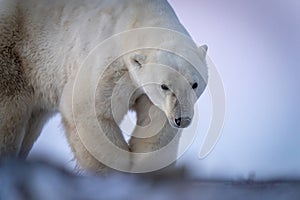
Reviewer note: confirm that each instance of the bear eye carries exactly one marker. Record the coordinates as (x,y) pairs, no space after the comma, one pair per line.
(164,87)
(137,63)
(195,85)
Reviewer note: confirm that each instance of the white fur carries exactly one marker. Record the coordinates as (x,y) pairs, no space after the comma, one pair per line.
(42,45)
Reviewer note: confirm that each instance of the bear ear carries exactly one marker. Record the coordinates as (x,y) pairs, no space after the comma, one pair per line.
(203,49)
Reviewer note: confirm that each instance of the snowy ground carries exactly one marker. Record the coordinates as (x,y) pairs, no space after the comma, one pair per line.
(21,180)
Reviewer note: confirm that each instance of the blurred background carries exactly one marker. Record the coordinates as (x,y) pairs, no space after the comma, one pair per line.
(255,46)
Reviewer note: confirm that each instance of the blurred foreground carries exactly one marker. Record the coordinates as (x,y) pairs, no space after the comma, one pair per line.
(23,180)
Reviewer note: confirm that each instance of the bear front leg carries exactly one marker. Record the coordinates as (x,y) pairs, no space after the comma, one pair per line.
(86,138)
(152,133)
(83,157)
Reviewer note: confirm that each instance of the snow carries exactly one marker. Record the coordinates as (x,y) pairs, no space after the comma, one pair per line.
(21,180)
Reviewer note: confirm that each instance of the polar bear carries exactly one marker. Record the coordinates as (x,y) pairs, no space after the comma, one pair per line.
(42,46)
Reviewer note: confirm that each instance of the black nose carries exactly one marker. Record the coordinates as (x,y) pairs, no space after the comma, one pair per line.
(183,122)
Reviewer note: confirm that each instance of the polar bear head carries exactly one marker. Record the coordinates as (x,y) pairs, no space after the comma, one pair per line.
(170,82)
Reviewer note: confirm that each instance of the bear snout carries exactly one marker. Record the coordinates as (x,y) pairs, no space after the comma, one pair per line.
(182,122)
